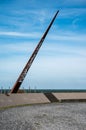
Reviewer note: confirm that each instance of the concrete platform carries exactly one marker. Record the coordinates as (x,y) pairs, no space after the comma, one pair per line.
(22,99)
(39,98)
(74,96)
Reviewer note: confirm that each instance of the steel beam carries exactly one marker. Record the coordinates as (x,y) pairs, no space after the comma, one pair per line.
(30,61)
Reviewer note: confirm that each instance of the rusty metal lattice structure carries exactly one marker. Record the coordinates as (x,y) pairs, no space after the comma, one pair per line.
(30,61)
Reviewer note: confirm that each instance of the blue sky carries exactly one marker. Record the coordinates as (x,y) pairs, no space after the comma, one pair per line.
(61,61)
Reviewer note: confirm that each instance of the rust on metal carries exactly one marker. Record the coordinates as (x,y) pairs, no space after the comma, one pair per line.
(29,63)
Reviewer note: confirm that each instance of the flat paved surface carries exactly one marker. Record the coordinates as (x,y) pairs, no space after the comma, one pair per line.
(59,116)
(71,95)
(21,99)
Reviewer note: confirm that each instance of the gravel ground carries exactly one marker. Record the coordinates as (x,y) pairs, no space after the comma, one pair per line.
(59,116)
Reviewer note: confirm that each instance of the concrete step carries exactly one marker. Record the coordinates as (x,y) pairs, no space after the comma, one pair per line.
(51,97)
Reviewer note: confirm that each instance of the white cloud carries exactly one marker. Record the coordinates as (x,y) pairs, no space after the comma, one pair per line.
(67,43)
(68,37)
(71,12)
(46,69)
(19,34)
(59,36)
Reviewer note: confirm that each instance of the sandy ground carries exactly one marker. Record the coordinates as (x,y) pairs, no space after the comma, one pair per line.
(59,116)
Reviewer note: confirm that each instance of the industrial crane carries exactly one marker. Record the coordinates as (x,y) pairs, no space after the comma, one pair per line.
(30,61)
